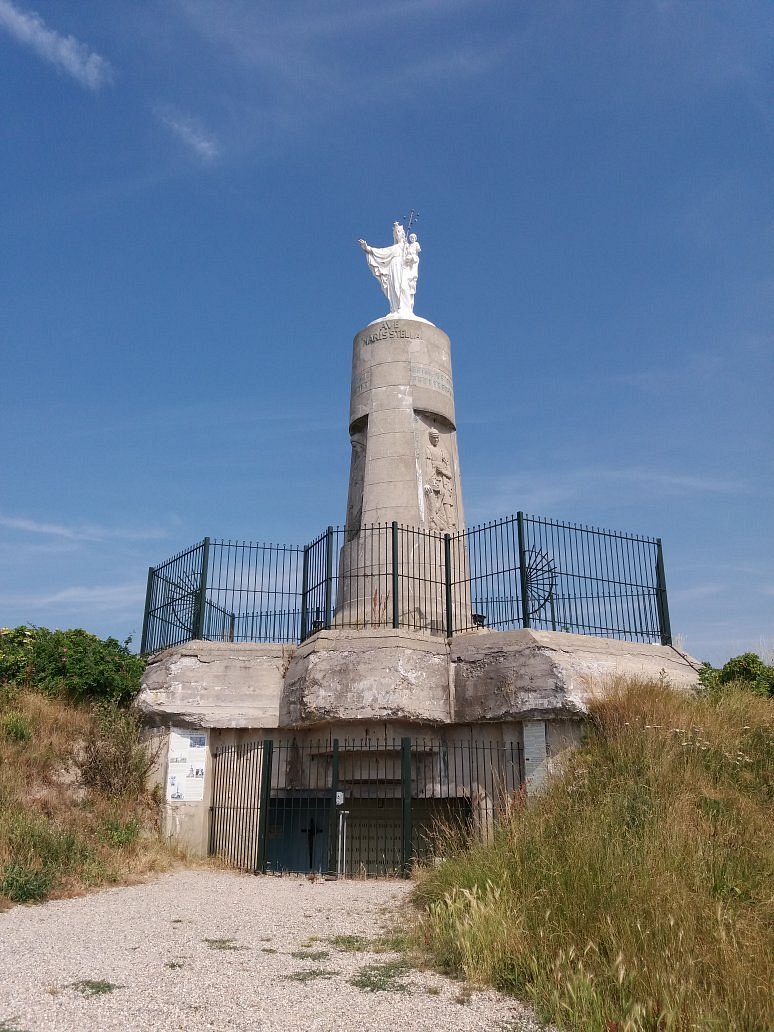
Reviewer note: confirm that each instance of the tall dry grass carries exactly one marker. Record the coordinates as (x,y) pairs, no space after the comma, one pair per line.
(636,893)
(61,829)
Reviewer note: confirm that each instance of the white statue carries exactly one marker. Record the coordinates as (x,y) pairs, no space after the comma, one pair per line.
(397,269)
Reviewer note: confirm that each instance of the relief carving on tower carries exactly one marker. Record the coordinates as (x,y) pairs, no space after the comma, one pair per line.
(439,487)
(356,478)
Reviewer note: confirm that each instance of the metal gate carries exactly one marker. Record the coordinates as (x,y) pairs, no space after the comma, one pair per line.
(365,808)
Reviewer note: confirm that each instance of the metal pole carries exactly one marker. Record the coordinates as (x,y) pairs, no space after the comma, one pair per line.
(304,595)
(523,571)
(332,852)
(265,802)
(201,599)
(405,799)
(146,614)
(661,597)
(328,576)
(448,585)
(395,600)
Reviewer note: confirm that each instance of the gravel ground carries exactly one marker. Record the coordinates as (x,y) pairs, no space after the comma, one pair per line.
(198,950)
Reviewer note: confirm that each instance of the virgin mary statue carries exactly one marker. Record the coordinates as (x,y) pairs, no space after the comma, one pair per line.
(396,269)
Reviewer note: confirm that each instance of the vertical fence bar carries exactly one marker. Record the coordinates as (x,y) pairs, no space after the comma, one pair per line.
(201,599)
(395,598)
(328,576)
(333,860)
(448,584)
(523,571)
(405,801)
(661,594)
(146,614)
(304,595)
(263,812)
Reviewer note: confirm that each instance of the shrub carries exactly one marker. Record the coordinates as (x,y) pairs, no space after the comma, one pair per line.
(82,666)
(114,759)
(747,671)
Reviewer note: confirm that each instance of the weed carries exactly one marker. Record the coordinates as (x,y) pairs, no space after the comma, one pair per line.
(350,943)
(269,949)
(24,884)
(8,1026)
(16,727)
(310,974)
(94,987)
(174,964)
(119,833)
(223,944)
(382,978)
(310,954)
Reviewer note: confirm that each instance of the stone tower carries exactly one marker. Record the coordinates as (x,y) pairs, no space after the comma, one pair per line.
(405,464)
(405,468)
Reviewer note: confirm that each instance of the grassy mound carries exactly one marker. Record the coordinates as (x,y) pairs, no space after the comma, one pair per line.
(636,892)
(74,809)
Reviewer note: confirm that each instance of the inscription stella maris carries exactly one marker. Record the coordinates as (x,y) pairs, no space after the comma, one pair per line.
(389,331)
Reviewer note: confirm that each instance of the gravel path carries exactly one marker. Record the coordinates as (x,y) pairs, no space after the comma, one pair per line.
(198,950)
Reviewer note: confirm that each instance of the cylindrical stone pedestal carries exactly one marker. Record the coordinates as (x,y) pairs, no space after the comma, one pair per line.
(402,391)
(405,468)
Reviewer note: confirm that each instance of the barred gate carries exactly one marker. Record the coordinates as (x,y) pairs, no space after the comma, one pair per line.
(368,808)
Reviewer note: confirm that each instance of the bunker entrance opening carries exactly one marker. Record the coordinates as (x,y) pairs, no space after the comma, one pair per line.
(357,809)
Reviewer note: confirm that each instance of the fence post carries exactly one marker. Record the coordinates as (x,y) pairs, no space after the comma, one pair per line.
(304,595)
(523,571)
(333,818)
(661,597)
(328,576)
(405,808)
(146,614)
(201,596)
(263,812)
(448,584)
(395,600)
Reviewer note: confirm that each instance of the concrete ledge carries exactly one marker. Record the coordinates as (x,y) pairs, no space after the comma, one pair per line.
(503,675)
(395,675)
(215,684)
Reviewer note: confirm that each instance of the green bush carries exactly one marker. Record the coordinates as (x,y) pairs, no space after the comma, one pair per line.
(15,654)
(748,671)
(73,663)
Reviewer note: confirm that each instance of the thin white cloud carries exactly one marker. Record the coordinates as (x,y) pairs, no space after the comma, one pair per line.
(108,596)
(190,132)
(81,532)
(543,491)
(64,52)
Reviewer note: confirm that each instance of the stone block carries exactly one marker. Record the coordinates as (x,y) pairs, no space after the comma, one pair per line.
(369,675)
(539,674)
(215,684)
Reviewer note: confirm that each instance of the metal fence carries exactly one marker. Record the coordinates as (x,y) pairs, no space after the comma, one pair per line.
(365,808)
(521,571)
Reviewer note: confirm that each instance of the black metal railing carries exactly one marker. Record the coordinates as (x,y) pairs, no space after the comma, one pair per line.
(520,571)
(370,807)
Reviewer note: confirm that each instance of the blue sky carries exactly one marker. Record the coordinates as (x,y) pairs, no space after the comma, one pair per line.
(184,183)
